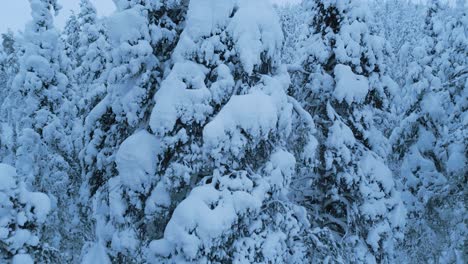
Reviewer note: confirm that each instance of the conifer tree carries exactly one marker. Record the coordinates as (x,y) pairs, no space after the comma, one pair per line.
(70,38)
(344,86)
(232,131)
(10,50)
(8,61)
(24,216)
(94,51)
(143,35)
(219,131)
(428,142)
(42,149)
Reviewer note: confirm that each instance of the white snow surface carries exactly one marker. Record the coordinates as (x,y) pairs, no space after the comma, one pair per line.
(195,213)
(136,160)
(255,29)
(7,177)
(96,254)
(183,95)
(349,86)
(255,113)
(22,259)
(125,25)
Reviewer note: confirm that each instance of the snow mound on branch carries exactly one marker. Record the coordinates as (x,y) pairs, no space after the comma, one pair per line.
(125,25)
(38,202)
(183,95)
(255,29)
(206,217)
(224,84)
(253,25)
(457,159)
(136,160)
(207,16)
(7,177)
(255,114)
(208,211)
(22,259)
(349,86)
(19,210)
(378,172)
(280,170)
(96,254)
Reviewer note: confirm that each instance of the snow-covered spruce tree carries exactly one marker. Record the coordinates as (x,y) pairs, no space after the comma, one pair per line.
(420,69)
(343,84)
(8,62)
(453,48)
(70,60)
(142,35)
(4,87)
(429,144)
(8,42)
(215,160)
(3,72)
(293,20)
(91,72)
(70,38)
(401,22)
(9,52)
(40,136)
(94,51)
(23,215)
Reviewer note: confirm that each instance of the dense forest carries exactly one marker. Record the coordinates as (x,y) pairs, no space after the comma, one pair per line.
(236,131)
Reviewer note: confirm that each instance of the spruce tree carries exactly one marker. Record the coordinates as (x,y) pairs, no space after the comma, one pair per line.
(70,38)
(343,85)
(23,215)
(43,151)
(428,144)
(219,132)
(143,35)
(212,131)
(94,51)
(9,52)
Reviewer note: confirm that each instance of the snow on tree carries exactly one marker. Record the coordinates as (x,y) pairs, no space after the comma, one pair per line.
(219,126)
(70,37)
(401,22)
(8,61)
(93,49)
(41,128)
(23,216)
(294,23)
(9,52)
(142,35)
(3,74)
(92,68)
(208,131)
(91,74)
(343,85)
(429,143)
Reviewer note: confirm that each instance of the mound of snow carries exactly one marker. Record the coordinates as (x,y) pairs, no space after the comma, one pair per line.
(255,114)
(349,86)
(137,158)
